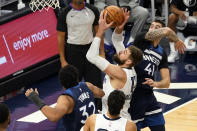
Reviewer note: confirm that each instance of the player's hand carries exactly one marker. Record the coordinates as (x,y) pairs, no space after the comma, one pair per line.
(29,91)
(180,46)
(63,63)
(150,82)
(126,15)
(102,22)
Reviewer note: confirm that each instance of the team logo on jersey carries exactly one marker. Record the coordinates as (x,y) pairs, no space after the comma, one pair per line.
(189,3)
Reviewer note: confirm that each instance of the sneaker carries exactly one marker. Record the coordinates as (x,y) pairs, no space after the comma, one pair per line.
(173,57)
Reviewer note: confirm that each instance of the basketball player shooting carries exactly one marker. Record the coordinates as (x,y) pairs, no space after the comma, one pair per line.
(123,76)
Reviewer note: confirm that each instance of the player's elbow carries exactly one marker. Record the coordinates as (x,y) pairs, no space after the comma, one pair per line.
(100,94)
(90,58)
(167,85)
(53,119)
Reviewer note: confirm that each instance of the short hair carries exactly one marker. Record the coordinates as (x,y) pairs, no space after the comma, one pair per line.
(4,113)
(136,55)
(68,76)
(160,21)
(115,102)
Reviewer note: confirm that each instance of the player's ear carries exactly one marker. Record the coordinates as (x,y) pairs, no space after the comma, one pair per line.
(129,62)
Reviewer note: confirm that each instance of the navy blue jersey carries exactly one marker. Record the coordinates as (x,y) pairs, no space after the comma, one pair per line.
(154,58)
(84,107)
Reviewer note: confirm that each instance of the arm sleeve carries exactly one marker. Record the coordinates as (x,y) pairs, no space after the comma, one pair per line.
(61,22)
(96,13)
(93,55)
(117,42)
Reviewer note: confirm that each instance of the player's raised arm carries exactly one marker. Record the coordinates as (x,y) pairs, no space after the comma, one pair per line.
(93,52)
(118,33)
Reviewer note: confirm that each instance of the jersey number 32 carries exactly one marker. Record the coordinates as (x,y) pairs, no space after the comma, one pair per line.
(84,111)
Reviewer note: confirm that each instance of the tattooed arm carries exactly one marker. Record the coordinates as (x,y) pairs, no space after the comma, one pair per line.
(157,34)
(160,33)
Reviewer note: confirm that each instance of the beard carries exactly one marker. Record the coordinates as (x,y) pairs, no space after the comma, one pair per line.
(117,60)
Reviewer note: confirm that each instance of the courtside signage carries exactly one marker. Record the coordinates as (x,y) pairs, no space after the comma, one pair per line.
(26,41)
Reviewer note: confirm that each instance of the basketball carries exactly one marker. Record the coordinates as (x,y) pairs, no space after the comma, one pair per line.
(114,14)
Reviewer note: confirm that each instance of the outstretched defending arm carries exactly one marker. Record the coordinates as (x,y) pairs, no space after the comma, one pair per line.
(166,32)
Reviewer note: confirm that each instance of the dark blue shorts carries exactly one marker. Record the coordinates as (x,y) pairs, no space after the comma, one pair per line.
(145,110)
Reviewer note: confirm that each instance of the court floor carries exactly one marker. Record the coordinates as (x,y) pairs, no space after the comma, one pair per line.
(179,102)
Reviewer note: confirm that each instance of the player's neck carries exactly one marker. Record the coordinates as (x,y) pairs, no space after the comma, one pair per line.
(156,42)
(112,117)
(125,66)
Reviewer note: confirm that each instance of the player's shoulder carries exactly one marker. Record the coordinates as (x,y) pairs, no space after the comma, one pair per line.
(131,126)
(93,116)
(91,119)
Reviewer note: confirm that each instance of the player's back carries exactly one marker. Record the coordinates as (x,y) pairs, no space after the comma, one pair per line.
(103,123)
(83,107)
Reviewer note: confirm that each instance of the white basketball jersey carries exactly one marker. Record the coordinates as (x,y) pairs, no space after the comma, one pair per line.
(103,123)
(127,89)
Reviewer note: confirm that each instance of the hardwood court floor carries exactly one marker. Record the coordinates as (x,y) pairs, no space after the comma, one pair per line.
(183,118)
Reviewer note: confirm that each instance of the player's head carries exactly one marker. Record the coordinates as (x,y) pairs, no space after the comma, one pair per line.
(156,25)
(68,76)
(78,2)
(115,102)
(131,56)
(4,116)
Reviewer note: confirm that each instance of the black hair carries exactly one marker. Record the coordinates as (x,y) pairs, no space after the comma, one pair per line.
(160,21)
(4,113)
(115,102)
(68,76)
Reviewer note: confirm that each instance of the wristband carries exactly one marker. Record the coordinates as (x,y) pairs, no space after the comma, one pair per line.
(33,96)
